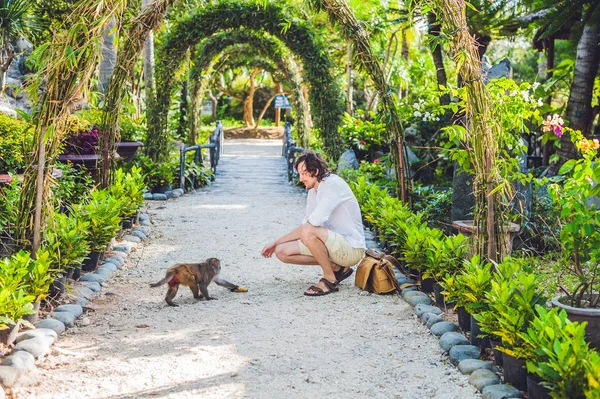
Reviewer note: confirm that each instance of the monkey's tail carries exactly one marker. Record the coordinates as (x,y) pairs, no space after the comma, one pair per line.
(167,277)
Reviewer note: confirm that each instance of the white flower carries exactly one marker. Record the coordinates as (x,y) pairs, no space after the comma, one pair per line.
(513,93)
(416,106)
(417,114)
(540,103)
(536,85)
(426,116)
(525,95)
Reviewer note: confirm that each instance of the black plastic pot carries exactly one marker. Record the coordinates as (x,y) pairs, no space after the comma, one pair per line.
(76,273)
(57,287)
(427,285)
(535,390)
(440,300)
(475,333)
(69,272)
(464,318)
(497,354)
(126,223)
(514,372)
(92,260)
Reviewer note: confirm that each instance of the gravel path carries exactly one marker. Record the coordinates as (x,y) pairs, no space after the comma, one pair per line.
(271,342)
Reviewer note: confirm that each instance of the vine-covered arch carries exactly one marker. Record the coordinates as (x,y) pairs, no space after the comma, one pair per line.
(298,36)
(268,47)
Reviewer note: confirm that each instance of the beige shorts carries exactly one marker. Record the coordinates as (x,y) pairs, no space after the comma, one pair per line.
(340,250)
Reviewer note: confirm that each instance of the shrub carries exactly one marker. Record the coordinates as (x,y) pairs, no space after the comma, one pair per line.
(66,240)
(102,213)
(16,137)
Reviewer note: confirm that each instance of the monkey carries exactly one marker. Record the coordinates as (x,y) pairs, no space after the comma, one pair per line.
(196,276)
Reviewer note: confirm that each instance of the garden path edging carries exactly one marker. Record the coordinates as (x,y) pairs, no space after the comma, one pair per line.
(33,345)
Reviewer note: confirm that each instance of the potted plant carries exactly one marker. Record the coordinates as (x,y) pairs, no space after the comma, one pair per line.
(445,257)
(467,290)
(593,376)
(38,278)
(15,300)
(513,297)
(102,213)
(560,358)
(130,188)
(418,238)
(131,132)
(67,242)
(580,237)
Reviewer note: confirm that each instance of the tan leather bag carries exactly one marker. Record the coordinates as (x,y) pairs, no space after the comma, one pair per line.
(375,273)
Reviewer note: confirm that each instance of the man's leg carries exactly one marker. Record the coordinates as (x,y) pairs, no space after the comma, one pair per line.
(314,238)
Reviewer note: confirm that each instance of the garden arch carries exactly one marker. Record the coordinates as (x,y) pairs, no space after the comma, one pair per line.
(298,36)
(268,47)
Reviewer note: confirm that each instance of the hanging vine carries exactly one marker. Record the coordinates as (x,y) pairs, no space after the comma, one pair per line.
(298,36)
(339,11)
(481,129)
(65,67)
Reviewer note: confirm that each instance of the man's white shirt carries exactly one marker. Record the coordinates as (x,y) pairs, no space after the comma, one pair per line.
(334,206)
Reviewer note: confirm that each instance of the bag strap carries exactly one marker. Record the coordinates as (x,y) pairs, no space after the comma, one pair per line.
(390,273)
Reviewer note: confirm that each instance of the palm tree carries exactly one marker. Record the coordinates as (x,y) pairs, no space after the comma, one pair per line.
(109,56)
(15,21)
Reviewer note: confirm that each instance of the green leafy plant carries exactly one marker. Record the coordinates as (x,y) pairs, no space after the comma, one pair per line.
(468,288)
(66,240)
(580,233)
(15,298)
(16,136)
(102,214)
(560,356)
(9,202)
(73,187)
(593,376)
(445,255)
(129,187)
(512,299)
(418,239)
(360,133)
(39,273)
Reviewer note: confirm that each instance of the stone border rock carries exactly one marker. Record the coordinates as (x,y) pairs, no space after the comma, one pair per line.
(178,192)
(482,374)
(32,345)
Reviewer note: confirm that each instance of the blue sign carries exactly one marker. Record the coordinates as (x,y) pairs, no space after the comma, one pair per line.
(281,101)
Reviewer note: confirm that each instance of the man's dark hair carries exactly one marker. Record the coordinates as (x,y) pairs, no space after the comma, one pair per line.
(314,164)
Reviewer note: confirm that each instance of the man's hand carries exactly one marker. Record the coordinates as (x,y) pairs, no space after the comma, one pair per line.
(268,250)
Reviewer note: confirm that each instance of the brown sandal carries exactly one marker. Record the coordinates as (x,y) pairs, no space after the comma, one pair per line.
(318,291)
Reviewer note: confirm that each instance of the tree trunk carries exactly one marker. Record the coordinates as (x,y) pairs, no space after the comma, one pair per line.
(249,100)
(278,89)
(349,96)
(438,60)
(7,59)
(109,56)
(579,107)
(148,59)
(182,126)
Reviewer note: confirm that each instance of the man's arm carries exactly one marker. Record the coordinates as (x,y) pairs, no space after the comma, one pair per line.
(269,249)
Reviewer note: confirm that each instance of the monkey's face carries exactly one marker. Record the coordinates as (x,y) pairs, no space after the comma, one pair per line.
(216,264)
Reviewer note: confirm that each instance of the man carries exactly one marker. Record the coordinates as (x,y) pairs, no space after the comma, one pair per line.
(331,234)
